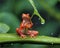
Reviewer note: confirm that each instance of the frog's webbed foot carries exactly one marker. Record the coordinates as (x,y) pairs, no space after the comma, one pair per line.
(32,33)
(20,33)
(23,36)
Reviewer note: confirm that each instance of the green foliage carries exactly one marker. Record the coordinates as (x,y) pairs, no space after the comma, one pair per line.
(11,20)
(4,28)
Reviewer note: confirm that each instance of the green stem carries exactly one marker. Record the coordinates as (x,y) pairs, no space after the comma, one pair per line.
(36,12)
(39,39)
(32,15)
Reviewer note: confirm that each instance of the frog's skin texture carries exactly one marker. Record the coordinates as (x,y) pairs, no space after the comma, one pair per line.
(26,24)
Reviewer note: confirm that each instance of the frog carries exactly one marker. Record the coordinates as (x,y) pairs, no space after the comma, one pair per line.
(25,25)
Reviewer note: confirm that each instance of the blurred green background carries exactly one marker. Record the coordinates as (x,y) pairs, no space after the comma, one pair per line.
(10,18)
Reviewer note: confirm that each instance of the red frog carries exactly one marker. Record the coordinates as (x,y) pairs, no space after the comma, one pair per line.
(25,25)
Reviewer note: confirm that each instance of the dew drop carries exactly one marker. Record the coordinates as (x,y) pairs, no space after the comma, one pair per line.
(42,23)
(42,20)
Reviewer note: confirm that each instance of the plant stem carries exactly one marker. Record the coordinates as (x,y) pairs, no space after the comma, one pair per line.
(36,12)
(39,39)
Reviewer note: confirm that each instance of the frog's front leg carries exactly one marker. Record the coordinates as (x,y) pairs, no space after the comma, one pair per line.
(20,33)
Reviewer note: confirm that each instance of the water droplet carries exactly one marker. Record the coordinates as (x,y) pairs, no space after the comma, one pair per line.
(42,23)
(42,20)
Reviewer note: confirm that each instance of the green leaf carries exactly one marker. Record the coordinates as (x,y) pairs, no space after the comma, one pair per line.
(4,28)
(38,39)
(11,20)
(36,12)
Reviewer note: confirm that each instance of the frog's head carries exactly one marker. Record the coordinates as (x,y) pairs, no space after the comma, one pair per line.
(25,16)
